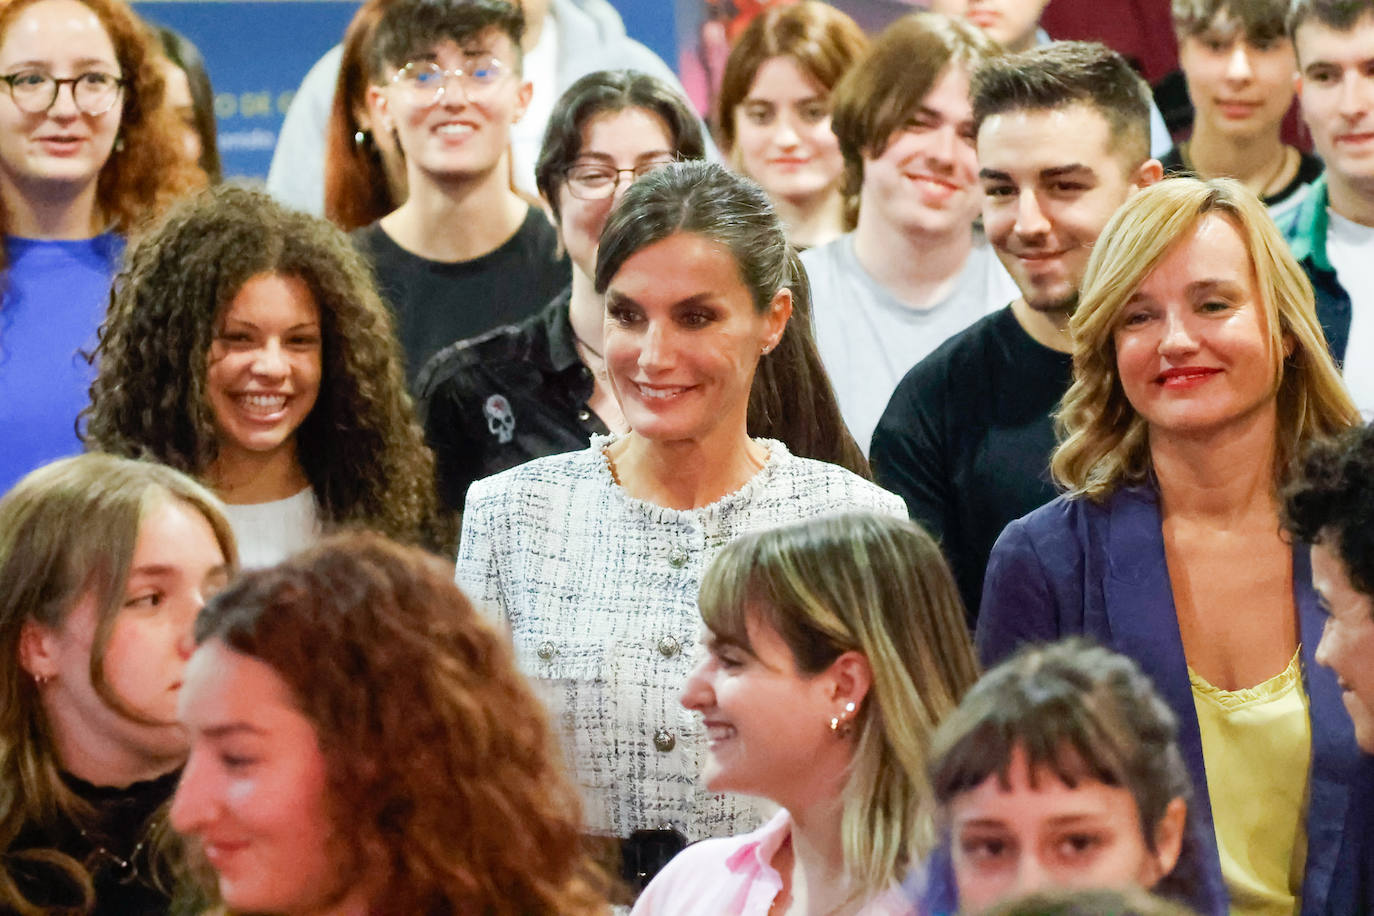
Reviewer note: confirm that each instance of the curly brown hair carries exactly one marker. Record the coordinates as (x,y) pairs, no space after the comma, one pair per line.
(360,447)
(147,170)
(437,753)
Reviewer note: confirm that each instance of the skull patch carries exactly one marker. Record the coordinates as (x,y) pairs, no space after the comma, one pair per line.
(500,420)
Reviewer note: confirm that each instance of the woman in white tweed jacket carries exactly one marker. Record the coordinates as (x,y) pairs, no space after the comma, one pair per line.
(594,558)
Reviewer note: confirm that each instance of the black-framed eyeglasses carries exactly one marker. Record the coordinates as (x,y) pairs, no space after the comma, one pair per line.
(597,181)
(34,91)
(425,82)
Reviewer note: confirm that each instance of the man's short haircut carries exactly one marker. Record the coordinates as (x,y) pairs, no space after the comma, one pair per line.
(1260,22)
(1337,15)
(887,85)
(1065,73)
(411,28)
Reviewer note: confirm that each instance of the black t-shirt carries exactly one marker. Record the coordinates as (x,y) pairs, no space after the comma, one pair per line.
(1309,168)
(966,440)
(513,394)
(437,302)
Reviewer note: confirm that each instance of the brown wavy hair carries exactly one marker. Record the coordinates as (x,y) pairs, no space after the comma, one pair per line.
(69,530)
(357,188)
(360,447)
(440,765)
(147,170)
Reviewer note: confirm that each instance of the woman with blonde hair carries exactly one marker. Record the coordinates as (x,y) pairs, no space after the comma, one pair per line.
(361,742)
(773,114)
(87,152)
(104,564)
(834,648)
(1200,371)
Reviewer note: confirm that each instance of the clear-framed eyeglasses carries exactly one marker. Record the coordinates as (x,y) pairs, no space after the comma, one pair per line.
(35,92)
(425,82)
(597,180)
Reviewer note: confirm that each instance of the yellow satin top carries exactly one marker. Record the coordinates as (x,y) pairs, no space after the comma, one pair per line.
(1257,750)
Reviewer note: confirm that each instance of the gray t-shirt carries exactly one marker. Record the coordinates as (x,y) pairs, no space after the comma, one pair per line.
(868,338)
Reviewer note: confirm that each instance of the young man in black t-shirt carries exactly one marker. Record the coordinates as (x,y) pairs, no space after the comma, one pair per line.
(1063,140)
(464,253)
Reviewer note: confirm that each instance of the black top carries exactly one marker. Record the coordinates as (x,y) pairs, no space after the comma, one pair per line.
(513,394)
(111,847)
(1309,167)
(438,302)
(967,437)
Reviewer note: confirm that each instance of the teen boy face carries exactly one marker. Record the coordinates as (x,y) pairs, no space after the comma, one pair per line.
(1052,178)
(925,181)
(456,126)
(1336,89)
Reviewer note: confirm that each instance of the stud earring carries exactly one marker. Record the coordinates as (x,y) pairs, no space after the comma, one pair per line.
(842,725)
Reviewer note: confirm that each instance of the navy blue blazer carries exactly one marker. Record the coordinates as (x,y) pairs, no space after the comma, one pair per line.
(1076,567)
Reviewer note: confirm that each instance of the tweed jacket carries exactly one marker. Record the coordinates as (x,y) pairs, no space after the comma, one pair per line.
(599,591)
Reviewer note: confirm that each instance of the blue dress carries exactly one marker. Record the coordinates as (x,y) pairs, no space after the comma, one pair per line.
(55,297)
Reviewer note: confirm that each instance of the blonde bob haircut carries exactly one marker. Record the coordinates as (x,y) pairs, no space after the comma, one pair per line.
(878,586)
(1104,442)
(68,531)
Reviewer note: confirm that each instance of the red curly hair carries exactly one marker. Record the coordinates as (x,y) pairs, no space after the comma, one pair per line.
(148,170)
(440,764)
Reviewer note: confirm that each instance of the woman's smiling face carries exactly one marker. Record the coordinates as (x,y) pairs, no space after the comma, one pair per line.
(683,338)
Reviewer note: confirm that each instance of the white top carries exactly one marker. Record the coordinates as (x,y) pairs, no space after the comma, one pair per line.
(600,593)
(869,339)
(1350,248)
(268,533)
(735,876)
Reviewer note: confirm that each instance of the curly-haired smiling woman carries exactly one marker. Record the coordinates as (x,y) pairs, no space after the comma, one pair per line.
(246,344)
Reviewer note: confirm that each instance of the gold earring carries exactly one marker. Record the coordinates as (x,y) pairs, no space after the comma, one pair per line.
(842,724)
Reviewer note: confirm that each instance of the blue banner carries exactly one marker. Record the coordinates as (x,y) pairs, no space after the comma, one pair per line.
(256,54)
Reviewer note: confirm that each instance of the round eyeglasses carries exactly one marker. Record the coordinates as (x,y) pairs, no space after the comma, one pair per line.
(425,82)
(34,91)
(597,181)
